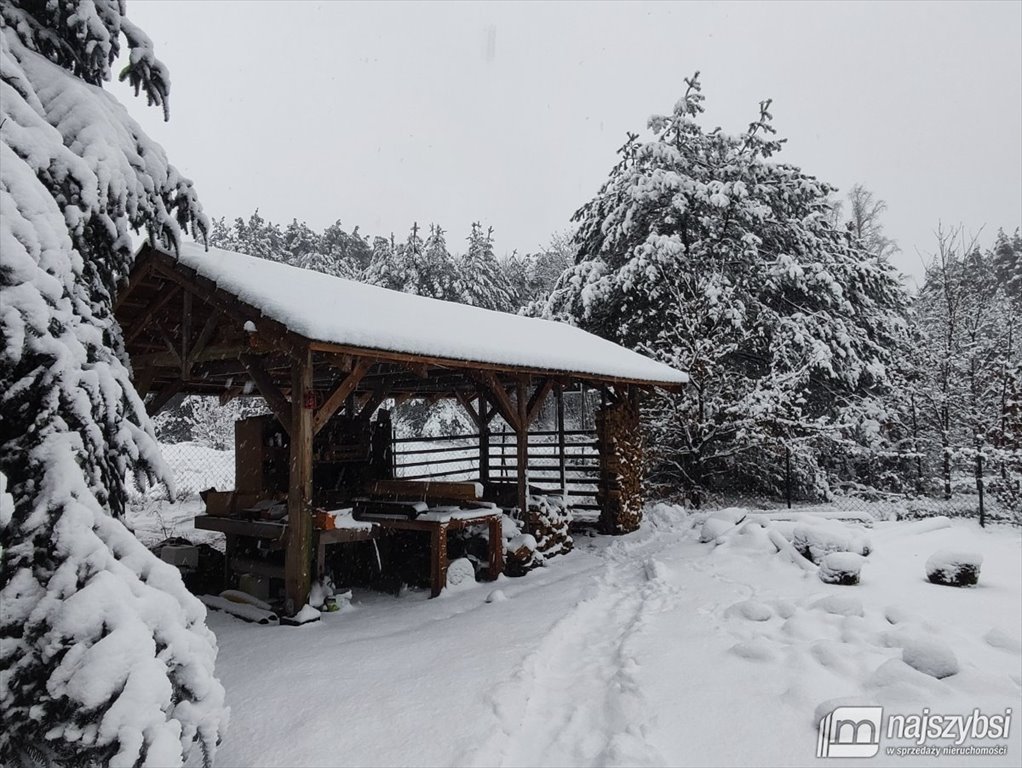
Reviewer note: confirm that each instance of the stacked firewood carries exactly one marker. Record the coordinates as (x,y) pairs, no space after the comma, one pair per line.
(549,521)
(620,443)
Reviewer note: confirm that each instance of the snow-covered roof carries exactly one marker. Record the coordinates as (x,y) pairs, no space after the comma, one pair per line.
(333,310)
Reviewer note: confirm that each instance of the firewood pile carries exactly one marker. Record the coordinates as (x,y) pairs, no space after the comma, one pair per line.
(549,521)
(620,443)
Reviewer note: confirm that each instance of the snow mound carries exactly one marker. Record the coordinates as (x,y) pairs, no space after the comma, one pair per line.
(757,649)
(998,638)
(816,540)
(307,615)
(841,568)
(460,574)
(930,656)
(720,522)
(839,605)
(902,681)
(753,610)
(496,596)
(897,614)
(955,569)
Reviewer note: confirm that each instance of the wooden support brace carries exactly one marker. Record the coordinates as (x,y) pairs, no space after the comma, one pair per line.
(161,398)
(466,403)
(143,322)
(205,336)
(347,387)
(186,333)
(501,401)
(271,394)
(378,395)
(536,401)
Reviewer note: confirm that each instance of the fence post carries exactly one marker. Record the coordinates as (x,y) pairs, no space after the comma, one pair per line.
(787,474)
(560,439)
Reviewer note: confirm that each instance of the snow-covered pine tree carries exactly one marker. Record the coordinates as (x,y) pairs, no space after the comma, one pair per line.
(388,267)
(705,252)
(485,284)
(349,250)
(436,272)
(105,656)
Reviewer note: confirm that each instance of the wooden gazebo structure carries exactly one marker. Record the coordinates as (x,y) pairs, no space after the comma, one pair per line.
(214,322)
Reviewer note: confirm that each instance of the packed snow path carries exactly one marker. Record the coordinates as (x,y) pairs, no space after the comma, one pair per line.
(651,649)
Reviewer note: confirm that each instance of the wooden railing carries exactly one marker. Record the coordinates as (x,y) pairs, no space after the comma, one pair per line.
(457,457)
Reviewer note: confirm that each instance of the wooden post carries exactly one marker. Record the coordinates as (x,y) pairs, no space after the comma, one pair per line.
(560,438)
(484,441)
(522,443)
(496,537)
(297,574)
(438,559)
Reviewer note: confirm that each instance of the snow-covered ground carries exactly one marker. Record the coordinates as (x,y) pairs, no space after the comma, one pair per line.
(648,649)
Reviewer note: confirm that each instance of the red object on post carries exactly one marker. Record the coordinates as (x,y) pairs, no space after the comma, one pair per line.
(310,399)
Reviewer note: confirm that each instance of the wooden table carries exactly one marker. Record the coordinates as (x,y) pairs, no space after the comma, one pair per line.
(233,527)
(437,523)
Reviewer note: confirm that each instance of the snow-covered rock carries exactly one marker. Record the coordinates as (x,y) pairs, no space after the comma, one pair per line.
(841,568)
(954,569)
(816,540)
(460,573)
(930,656)
(496,596)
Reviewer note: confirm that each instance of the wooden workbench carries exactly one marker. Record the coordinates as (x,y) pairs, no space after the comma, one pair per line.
(437,523)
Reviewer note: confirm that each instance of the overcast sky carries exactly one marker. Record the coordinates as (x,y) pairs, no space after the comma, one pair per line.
(384,114)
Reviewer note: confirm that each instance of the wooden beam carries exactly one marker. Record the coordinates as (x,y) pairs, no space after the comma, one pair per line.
(133,281)
(271,394)
(161,398)
(522,447)
(144,378)
(536,402)
(347,387)
(298,556)
(142,323)
(484,438)
(378,395)
(186,332)
(501,401)
(205,336)
(466,403)
(560,438)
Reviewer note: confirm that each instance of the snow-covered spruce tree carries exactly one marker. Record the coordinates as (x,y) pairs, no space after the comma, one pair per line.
(104,655)
(436,270)
(485,284)
(705,252)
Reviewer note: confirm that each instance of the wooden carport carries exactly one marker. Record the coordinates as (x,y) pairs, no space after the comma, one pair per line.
(223,324)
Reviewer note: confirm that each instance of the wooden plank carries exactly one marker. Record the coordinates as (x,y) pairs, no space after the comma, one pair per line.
(347,387)
(298,564)
(484,438)
(271,394)
(377,397)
